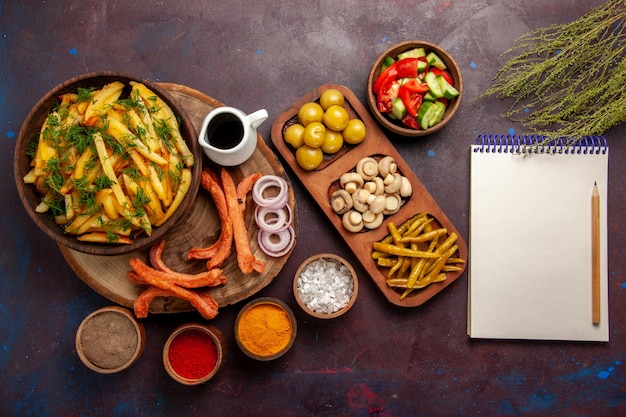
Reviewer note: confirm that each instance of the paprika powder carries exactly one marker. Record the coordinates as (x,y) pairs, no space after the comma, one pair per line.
(192,354)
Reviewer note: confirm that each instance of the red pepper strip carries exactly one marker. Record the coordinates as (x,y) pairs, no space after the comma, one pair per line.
(410,121)
(389,74)
(415,86)
(407,68)
(387,94)
(411,95)
(446,75)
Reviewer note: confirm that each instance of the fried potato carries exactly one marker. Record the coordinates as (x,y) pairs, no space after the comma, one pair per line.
(110,167)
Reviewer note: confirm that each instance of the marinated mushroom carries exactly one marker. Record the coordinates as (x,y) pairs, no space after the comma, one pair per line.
(341,201)
(378,204)
(406,189)
(352,221)
(372,221)
(392,204)
(370,186)
(359,200)
(367,168)
(375,189)
(387,165)
(393,185)
(351,181)
(380,186)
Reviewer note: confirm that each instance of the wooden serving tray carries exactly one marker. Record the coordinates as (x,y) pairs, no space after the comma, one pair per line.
(322,181)
(201,227)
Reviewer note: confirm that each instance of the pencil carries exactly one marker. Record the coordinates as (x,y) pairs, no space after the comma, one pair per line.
(595,254)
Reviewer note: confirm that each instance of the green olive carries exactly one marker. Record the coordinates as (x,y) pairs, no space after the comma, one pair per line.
(355,132)
(294,135)
(310,112)
(314,134)
(336,118)
(330,97)
(332,142)
(309,158)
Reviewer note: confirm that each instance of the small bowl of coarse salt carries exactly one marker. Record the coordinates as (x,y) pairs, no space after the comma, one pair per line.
(325,286)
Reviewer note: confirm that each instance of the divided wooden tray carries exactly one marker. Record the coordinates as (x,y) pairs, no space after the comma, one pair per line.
(318,182)
(107,274)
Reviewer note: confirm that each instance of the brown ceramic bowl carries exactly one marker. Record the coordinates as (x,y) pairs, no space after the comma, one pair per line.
(30,131)
(308,290)
(110,340)
(396,126)
(256,348)
(214,336)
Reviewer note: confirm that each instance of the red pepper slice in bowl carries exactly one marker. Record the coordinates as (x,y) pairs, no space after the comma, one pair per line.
(388,93)
(411,93)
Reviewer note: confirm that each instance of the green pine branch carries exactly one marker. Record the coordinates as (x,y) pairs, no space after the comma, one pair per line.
(568,79)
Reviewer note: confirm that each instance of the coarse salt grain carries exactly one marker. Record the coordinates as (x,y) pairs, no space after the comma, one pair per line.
(325,285)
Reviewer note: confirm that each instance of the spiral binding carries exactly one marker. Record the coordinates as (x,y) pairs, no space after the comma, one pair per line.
(533,144)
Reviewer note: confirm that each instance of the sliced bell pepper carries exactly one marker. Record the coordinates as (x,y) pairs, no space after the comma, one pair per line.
(407,67)
(384,78)
(388,92)
(411,94)
(410,121)
(404,68)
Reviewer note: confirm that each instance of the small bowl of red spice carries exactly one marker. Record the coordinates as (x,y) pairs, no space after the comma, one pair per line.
(110,340)
(265,328)
(194,353)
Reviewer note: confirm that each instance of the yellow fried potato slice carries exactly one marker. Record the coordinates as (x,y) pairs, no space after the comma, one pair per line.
(161,111)
(101,101)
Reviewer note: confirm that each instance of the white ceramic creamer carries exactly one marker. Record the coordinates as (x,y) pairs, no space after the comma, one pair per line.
(228,136)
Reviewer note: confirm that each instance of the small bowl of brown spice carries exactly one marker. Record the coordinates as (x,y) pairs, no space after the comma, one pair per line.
(110,340)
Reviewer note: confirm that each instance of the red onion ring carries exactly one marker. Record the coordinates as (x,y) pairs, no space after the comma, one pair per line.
(286,239)
(273,224)
(265,182)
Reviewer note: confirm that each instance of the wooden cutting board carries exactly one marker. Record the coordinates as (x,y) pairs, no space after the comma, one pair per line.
(107,274)
(322,181)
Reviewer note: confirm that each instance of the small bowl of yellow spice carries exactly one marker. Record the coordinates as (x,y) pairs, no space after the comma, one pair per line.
(265,329)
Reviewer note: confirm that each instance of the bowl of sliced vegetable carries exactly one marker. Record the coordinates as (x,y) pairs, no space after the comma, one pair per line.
(414,88)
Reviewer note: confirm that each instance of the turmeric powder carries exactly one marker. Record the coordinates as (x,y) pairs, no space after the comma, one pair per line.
(265,329)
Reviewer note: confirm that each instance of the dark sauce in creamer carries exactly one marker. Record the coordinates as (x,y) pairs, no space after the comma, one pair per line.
(225,131)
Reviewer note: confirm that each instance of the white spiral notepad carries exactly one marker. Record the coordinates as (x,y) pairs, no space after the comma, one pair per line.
(530,245)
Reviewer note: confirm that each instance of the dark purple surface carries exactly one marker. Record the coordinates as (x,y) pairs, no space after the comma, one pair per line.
(377,360)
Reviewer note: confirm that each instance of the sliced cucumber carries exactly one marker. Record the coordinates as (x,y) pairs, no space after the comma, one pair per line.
(433,84)
(421,66)
(434,60)
(387,62)
(430,113)
(398,109)
(448,90)
(412,53)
